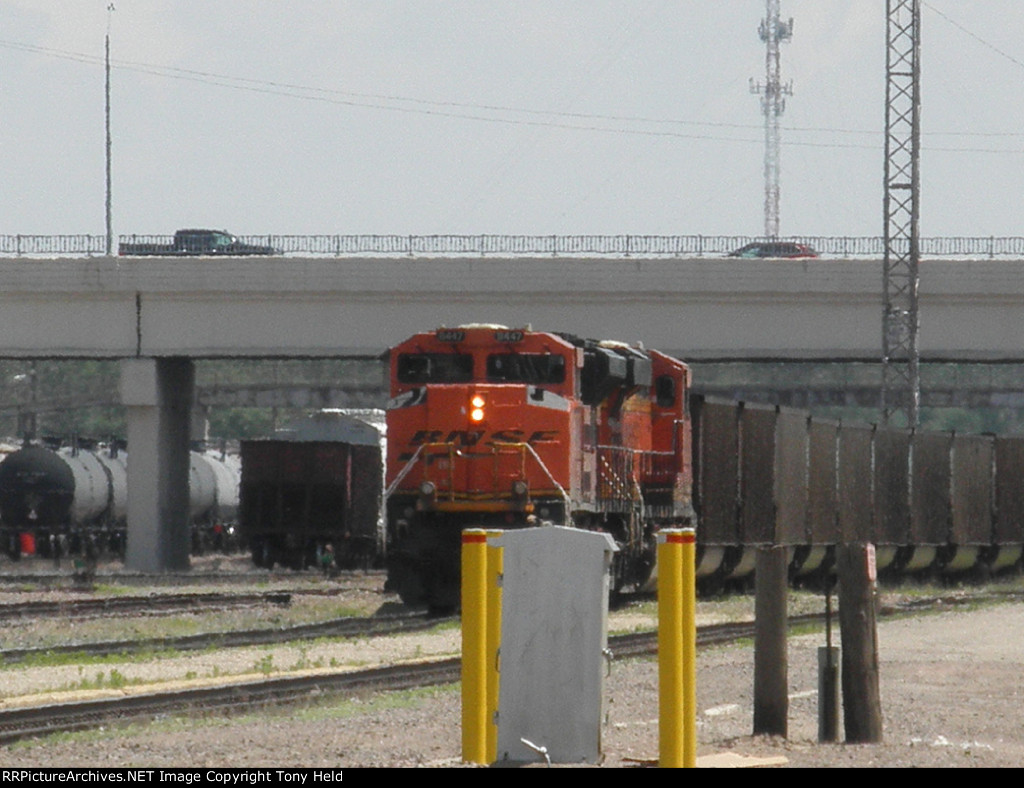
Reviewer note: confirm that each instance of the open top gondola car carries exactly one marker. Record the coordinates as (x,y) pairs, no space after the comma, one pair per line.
(508,428)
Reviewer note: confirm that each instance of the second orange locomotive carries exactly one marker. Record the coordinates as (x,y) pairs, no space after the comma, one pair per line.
(506,428)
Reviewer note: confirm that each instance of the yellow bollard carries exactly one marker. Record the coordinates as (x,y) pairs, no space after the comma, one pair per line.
(670,650)
(495,559)
(677,648)
(689,619)
(474,646)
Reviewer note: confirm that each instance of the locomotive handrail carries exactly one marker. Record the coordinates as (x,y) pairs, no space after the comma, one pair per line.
(642,452)
(403,473)
(495,449)
(543,467)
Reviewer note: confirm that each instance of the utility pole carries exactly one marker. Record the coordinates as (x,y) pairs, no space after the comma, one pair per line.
(773,32)
(901,382)
(110,223)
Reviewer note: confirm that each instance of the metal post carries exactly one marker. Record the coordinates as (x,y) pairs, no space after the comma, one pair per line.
(495,570)
(109,204)
(677,649)
(828,678)
(474,646)
(901,383)
(773,31)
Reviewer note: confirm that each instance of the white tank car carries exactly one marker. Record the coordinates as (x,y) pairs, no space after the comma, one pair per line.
(213,486)
(101,485)
(70,487)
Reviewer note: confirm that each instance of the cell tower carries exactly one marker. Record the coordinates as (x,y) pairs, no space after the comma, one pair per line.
(900,350)
(773,32)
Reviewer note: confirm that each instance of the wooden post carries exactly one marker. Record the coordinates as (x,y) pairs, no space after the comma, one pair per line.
(862,706)
(771,680)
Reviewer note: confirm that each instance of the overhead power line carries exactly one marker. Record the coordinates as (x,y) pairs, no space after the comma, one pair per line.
(453,109)
(973,35)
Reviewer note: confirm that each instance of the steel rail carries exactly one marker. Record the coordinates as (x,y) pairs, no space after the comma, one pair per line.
(347,627)
(157,603)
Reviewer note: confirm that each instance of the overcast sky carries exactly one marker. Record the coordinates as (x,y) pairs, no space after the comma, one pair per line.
(464,116)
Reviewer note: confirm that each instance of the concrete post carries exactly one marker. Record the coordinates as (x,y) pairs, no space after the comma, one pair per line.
(158,395)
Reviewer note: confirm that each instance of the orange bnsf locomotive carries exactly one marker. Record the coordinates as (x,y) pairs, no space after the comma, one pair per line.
(507,428)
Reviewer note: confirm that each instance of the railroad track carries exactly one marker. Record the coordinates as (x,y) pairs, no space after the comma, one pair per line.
(348,627)
(167,604)
(16,581)
(163,603)
(20,723)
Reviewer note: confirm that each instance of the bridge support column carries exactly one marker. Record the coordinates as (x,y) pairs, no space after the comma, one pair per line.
(158,395)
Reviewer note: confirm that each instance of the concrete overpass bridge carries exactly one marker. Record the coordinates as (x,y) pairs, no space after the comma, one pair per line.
(320,307)
(158,314)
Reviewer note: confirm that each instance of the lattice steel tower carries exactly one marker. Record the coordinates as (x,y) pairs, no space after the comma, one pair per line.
(773,32)
(901,383)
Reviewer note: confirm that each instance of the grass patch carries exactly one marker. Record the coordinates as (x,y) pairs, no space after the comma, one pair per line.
(372,703)
(264,665)
(80,658)
(113,680)
(107,589)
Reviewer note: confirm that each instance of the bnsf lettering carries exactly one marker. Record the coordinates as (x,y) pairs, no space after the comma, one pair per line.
(507,436)
(468,439)
(462,437)
(516,436)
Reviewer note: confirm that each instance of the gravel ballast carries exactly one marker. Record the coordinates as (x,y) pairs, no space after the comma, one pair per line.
(950,692)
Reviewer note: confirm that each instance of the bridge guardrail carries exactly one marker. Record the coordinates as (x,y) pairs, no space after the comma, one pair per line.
(988,247)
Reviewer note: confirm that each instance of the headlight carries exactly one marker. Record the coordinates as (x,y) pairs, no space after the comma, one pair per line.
(476,408)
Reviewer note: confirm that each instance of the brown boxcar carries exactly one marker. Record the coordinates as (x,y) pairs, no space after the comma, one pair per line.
(311,502)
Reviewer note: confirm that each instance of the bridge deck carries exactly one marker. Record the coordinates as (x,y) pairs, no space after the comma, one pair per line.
(699,308)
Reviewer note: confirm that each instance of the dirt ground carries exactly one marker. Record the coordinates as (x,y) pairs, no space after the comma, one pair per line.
(950,683)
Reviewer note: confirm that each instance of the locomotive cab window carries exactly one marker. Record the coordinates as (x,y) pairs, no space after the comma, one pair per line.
(435,368)
(665,391)
(533,368)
